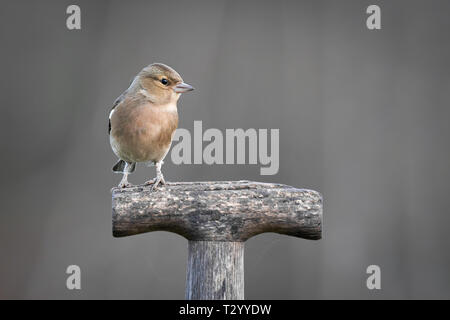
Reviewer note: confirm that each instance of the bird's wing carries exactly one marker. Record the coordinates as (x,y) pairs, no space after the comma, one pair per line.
(118,101)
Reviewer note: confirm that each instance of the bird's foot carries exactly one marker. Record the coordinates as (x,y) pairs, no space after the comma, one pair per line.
(123,185)
(150,182)
(159,181)
(155,182)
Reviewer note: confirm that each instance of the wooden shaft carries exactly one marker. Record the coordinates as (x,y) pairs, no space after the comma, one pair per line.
(215,270)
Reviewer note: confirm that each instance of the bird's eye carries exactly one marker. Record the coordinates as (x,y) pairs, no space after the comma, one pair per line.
(164,81)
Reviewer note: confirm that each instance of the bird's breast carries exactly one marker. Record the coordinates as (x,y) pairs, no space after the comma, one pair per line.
(143,132)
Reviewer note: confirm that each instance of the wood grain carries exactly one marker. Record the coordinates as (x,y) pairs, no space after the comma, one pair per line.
(216,218)
(215,270)
(218,211)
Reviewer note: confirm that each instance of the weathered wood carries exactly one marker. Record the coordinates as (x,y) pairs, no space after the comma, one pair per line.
(216,218)
(215,270)
(218,211)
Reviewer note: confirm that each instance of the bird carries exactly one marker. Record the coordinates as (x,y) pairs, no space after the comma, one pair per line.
(143,120)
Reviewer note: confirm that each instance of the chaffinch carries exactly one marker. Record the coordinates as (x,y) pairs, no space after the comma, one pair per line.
(143,120)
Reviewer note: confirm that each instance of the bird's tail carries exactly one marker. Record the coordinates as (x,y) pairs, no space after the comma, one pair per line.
(121,165)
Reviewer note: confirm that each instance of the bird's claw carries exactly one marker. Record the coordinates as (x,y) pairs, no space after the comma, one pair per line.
(123,185)
(155,182)
(158,182)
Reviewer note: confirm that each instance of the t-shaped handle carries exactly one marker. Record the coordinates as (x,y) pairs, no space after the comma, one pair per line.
(216,218)
(218,211)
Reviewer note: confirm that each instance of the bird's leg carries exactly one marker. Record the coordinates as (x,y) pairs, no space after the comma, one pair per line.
(124,182)
(159,176)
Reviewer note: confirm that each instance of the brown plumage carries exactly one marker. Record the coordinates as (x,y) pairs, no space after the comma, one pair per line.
(144,118)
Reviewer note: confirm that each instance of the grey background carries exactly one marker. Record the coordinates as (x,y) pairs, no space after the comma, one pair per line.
(363,118)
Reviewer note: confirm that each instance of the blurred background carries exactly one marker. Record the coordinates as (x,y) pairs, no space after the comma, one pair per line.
(363,118)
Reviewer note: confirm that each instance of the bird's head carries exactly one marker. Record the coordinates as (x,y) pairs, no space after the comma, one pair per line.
(162,83)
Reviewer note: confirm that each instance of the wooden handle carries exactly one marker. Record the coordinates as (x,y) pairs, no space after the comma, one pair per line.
(215,270)
(218,211)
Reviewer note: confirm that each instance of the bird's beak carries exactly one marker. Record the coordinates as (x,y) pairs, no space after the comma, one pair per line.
(183,87)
